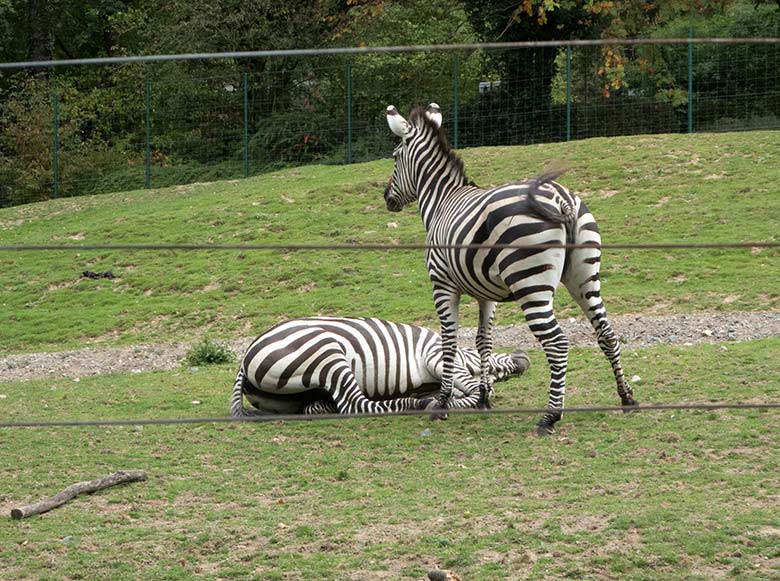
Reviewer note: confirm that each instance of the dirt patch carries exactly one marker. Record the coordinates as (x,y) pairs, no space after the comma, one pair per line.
(634,331)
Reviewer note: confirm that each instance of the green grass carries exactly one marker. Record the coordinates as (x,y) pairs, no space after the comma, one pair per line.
(666,188)
(679,495)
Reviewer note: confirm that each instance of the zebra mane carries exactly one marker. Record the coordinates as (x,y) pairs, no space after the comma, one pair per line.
(418,118)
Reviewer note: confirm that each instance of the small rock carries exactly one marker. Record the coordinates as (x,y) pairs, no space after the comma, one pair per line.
(426,432)
(724,348)
(76,379)
(635,379)
(707,333)
(441,575)
(3,396)
(392,224)
(195,402)
(66,539)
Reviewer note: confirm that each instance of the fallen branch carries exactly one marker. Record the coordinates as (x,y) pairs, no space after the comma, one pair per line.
(74,490)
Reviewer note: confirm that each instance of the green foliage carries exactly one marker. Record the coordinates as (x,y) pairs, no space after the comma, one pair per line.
(25,143)
(292,138)
(298,106)
(208,352)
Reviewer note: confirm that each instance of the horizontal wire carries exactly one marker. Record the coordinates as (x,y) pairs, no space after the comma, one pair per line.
(322,417)
(298,247)
(381,50)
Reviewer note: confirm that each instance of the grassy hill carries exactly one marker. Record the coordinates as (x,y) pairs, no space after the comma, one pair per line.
(665,188)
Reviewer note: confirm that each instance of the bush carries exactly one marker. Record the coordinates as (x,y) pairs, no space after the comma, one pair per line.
(209,352)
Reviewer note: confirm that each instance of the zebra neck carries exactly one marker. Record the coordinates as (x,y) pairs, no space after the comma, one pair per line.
(435,183)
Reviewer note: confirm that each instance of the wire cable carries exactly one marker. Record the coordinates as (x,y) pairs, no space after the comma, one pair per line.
(271,418)
(380,50)
(352,247)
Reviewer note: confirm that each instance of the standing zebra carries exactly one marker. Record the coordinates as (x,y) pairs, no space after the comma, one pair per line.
(354,365)
(532,212)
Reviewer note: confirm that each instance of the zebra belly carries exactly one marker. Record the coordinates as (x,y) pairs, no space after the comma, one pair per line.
(498,217)
(280,403)
(422,390)
(496,274)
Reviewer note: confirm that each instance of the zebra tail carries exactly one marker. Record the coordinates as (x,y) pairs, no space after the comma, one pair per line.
(237,409)
(564,215)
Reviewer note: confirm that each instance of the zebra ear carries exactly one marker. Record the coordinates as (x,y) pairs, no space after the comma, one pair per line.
(397,123)
(433,112)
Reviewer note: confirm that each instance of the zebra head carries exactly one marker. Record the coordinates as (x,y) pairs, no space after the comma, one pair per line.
(402,189)
(506,365)
(501,366)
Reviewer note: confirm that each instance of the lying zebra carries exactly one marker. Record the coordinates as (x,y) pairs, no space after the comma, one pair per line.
(355,365)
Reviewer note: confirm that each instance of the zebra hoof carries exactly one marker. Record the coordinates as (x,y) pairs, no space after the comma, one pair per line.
(628,403)
(424,404)
(522,361)
(437,409)
(483,403)
(545,428)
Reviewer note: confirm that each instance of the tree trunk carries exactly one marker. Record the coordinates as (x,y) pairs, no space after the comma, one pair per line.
(39,45)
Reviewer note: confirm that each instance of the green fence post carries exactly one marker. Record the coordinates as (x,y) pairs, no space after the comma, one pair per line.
(455,97)
(568,93)
(349,112)
(690,86)
(148,164)
(55,134)
(246,125)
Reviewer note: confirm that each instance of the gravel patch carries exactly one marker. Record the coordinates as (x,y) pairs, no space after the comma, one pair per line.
(634,330)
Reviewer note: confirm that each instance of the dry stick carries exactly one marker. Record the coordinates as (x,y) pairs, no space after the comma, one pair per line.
(75,489)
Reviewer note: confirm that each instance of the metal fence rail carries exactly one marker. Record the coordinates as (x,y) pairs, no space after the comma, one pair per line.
(169,119)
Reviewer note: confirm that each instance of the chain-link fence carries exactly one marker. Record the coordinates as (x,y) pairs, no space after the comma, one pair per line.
(134,125)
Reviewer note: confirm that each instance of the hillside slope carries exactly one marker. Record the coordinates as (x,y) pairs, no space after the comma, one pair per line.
(659,189)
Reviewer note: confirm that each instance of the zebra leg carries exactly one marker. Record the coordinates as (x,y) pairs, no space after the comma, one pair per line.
(610,345)
(349,399)
(321,406)
(543,324)
(583,282)
(485,347)
(237,409)
(446,300)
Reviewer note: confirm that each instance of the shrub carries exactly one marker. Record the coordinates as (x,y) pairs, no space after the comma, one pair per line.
(209,352)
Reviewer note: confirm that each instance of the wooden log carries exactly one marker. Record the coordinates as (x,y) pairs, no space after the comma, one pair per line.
(74,490)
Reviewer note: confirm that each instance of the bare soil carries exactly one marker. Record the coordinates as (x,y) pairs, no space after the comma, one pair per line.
(634,331)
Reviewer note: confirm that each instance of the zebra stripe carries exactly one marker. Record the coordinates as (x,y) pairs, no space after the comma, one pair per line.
(538,211)
(355,365)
